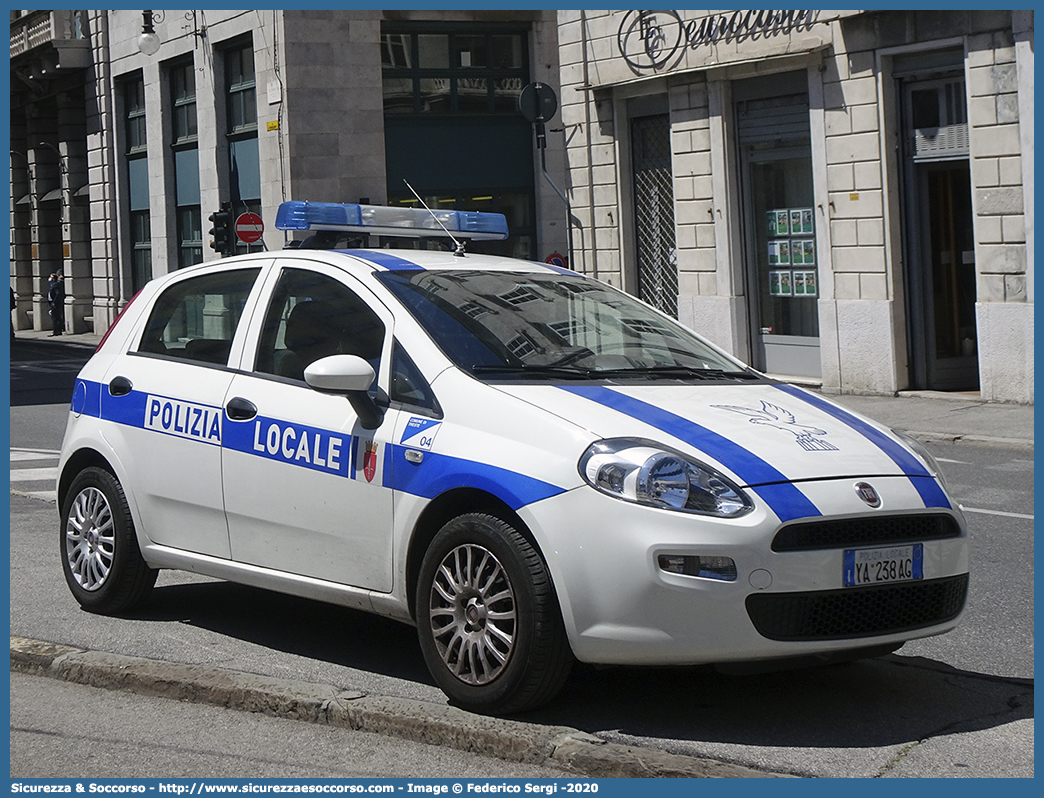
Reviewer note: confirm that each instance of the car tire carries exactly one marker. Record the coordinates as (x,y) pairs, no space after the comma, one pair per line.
(488,619)
(100,556)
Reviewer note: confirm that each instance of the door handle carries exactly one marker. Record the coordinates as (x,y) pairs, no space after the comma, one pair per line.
(120,386)
(240,409)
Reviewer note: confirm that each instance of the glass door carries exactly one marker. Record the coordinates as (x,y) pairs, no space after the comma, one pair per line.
(782,261)
(938,238)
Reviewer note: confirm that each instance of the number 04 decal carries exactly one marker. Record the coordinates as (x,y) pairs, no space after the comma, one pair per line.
(420,433)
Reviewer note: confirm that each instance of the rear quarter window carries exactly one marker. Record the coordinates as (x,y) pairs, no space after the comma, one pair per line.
(196,319)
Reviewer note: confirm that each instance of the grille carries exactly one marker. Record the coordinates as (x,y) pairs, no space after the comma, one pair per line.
(877,530)
(857,612)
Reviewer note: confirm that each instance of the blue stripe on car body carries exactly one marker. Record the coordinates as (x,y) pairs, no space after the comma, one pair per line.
(785,499)
(385,260)
(438,473)
(326,451)
(924,483)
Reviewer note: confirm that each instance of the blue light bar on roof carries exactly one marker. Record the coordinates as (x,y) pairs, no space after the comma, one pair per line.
(389,221)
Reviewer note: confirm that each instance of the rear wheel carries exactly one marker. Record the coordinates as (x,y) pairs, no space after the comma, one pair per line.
(488,619)
(100,556)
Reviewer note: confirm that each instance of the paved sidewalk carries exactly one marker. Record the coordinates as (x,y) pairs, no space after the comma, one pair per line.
(951,417)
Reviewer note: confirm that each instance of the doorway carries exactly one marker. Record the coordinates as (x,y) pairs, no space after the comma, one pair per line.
(939,242)
(656,249)
(782,264)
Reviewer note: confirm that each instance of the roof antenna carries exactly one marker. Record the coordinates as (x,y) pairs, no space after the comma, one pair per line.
(459,251)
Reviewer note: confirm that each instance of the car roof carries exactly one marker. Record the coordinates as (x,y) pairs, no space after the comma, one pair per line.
(431,260)
(375,261)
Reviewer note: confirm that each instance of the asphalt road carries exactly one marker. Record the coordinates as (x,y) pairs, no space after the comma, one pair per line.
(956,705)
(64,730)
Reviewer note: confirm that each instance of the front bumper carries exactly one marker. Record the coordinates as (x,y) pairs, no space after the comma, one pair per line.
(620,607)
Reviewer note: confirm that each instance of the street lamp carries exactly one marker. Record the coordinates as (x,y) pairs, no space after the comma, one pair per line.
(148,41)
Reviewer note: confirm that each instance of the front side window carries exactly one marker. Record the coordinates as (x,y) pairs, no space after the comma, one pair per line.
(196,319)
(511,325)
(312,316)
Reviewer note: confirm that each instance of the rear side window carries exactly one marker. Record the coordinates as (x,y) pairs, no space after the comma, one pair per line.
(196,319)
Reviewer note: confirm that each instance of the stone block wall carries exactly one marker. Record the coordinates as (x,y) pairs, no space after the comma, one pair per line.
(593,177)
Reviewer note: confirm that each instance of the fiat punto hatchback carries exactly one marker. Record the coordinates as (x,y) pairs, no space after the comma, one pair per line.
(528,465)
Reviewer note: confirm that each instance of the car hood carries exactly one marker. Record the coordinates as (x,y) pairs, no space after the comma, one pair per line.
(759,434)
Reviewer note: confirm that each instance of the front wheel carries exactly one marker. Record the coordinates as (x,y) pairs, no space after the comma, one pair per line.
(488,619)
(100,556)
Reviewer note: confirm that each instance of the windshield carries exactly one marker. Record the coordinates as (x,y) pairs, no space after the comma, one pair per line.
(516,324)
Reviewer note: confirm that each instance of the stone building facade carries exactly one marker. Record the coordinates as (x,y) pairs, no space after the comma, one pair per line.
(840,197)
(130,128)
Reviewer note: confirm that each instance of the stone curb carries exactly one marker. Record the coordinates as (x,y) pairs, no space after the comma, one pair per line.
(419,721)
(957,437)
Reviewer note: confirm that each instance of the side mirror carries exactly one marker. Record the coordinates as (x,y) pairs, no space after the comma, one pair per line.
(351,376)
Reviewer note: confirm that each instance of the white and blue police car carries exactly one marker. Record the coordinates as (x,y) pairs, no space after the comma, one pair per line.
(531,466)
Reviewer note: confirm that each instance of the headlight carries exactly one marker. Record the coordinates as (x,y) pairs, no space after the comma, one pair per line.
(646,473)
(929,461)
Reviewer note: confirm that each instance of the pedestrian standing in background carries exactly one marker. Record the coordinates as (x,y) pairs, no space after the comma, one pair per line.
(13,306)
(56,299)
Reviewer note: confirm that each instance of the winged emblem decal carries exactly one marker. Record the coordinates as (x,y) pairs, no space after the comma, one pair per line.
(808,437)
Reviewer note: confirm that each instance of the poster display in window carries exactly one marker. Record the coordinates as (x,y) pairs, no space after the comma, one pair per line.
(803,252)
(781,283)
(785,248)
(805,283)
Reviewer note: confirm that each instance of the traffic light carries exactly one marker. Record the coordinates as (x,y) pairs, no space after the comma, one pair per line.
(221,232)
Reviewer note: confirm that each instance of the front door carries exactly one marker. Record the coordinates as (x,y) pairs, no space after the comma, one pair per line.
(306,489)
(939,240)
(782,262)
(783,272)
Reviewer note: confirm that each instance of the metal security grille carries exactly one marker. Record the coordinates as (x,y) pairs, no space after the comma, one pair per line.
(654,212)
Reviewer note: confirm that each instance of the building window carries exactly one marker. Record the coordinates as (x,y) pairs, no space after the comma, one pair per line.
(134,100)
(244,158)
(463,70)
(141,249)
(183,95)
(190,236)
(242,90)
(452,127)
(136,154)
(186,164)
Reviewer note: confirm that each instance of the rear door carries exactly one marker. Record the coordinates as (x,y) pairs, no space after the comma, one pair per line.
(166,397)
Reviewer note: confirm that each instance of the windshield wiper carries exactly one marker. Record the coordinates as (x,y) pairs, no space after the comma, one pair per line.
(571,373)
(677,372)
(535,371)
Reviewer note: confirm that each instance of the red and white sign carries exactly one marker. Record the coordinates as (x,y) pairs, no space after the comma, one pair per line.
(249,228)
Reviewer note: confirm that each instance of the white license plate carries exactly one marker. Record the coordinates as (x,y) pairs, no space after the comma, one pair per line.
(876,566)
